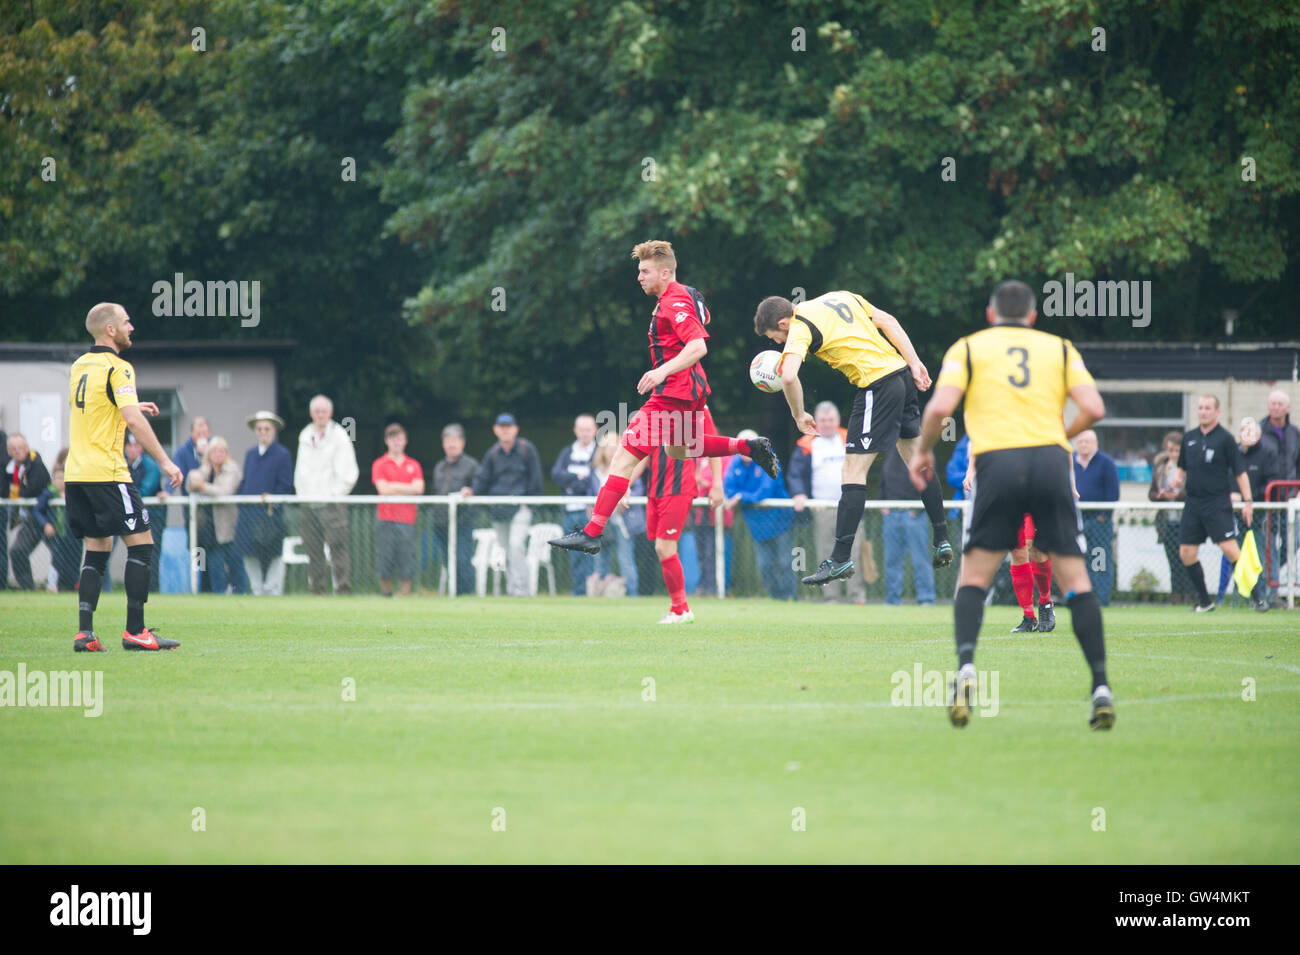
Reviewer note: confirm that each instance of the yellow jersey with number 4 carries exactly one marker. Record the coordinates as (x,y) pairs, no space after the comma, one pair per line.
(101,384)
(1016,380)
(837,328)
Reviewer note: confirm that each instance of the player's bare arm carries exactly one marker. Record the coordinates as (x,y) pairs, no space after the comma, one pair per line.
(1091,409)
(793,389)
(941,406)
(716,497)
(1247,509)
(691,353)
(891,329)
(143,431)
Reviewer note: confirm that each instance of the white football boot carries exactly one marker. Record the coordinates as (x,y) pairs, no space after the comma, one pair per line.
(671,617)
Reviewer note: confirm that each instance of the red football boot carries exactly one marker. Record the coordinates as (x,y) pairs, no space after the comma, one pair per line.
(87,642)
(146,639)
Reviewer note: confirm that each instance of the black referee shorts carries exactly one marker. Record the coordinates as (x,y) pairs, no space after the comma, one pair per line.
(1017,481)
(1207,517)
(884,411)
(105,509)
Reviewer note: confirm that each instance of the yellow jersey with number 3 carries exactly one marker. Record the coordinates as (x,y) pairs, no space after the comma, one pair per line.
(101,384)
(1016,380)
(837,328)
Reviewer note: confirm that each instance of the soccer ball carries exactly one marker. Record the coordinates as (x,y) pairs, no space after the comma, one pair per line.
(765,371)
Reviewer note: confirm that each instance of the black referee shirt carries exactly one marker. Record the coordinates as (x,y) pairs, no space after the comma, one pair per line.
(1212,462)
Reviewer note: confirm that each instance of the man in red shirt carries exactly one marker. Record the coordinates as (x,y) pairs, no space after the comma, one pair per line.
(394,473)
(673,417)
(672,487)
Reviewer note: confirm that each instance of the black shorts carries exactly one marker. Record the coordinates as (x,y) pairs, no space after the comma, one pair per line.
(1017,481)
(105,509)
(884,411)
(1212,518)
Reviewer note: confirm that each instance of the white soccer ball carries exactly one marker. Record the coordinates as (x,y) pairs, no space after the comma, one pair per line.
(765,371)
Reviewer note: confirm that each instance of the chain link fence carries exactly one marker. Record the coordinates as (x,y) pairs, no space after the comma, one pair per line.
(293,545)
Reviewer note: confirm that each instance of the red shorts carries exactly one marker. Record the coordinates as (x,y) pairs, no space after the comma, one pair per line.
(667,422)
(665,517)
(1026,532)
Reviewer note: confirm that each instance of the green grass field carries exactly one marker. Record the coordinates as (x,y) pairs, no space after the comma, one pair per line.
(536,707)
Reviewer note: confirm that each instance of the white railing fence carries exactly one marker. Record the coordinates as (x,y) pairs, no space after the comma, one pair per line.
(289,544)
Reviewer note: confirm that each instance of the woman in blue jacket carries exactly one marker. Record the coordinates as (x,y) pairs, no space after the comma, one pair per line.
(744,482)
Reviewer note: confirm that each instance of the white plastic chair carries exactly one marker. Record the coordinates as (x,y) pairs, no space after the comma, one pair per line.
(489,555)
(539,556)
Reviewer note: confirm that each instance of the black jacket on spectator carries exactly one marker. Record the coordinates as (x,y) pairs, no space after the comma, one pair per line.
(1287,448)
(572,482)
(516,472)
(32,480)
(1261,467)
(895,483)
(450,476)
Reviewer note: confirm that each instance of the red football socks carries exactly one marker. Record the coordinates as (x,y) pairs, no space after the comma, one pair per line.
(675,581)
(1043,577)
(611,492)
(717,445)
(1022,579)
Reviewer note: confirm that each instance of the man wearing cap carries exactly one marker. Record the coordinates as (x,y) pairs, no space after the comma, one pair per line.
(259,535)
(512,466)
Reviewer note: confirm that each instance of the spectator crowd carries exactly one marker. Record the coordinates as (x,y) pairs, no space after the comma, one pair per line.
(242,546)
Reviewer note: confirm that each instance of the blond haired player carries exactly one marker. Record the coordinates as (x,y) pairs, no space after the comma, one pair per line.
(103,503)
(673,418)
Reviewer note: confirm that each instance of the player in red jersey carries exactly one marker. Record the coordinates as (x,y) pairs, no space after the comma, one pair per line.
(672,487)
(1024,576)
(673,417)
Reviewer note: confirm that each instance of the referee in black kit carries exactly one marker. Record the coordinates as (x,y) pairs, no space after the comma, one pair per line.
(1208,459)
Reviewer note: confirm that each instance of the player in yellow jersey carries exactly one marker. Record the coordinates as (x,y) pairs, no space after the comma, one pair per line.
(103,503)
(1015,381)
(869,347)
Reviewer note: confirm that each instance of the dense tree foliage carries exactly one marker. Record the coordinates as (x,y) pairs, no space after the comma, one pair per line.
(508,155)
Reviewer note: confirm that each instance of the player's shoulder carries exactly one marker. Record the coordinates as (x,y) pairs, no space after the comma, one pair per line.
(679,302)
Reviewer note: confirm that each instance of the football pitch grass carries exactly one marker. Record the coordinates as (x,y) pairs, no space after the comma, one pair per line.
(535,715)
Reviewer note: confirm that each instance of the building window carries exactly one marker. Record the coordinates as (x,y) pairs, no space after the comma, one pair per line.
(1135,425)
(169,415)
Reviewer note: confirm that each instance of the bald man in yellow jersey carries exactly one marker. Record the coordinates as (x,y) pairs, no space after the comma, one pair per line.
(869,347)
(102,501)
(1015,381)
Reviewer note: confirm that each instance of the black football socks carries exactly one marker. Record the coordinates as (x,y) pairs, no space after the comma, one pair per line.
(932,498)
(1198,581)
(1085,611)
(968,614)
(848,517)
(92,573)
(137,585)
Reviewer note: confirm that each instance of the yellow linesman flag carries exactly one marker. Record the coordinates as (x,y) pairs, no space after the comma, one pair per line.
(1248,566)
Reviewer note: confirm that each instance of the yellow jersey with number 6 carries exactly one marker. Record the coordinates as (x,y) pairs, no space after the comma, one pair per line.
(101,384)
(1016,380)
(837,328)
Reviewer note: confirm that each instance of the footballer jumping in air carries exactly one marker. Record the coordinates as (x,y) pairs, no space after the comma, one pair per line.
(102,501)
(1015,381)
(844,330)
(669,495)
(673,416)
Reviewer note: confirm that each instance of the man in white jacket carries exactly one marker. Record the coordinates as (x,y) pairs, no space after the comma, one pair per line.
(326,467)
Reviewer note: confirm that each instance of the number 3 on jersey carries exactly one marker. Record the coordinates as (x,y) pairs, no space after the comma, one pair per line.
(1022,364)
